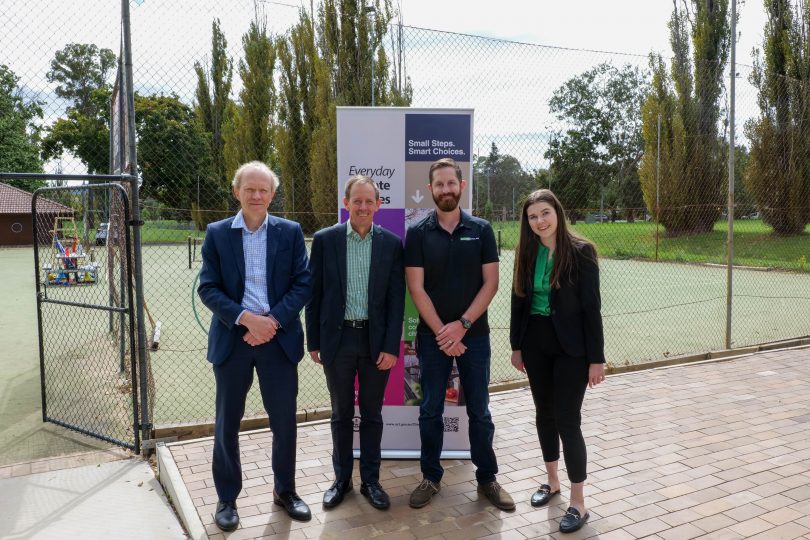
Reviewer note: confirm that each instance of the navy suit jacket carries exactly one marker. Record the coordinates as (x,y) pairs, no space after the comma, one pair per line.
(222,285)
(386,292)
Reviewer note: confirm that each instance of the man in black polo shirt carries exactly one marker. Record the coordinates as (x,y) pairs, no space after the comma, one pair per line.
(451,266)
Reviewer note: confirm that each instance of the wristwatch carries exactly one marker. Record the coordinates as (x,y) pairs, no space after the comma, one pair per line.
(466,323)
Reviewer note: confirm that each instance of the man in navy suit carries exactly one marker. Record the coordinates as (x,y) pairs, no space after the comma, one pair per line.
(255,280)
(354,327)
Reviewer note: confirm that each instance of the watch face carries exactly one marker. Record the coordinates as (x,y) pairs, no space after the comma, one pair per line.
(466,324)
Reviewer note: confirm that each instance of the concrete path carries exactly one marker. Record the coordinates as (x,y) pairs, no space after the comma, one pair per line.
(119,499)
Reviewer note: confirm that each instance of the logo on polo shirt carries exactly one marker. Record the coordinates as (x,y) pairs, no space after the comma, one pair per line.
(470,238)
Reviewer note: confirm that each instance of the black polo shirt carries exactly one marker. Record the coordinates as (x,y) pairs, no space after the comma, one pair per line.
(452,264)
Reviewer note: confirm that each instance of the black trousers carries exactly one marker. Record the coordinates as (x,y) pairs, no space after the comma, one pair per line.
(353,358)
(558,384)
(278,382)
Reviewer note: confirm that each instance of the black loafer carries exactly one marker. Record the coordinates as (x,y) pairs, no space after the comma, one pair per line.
(543,495)
(334,495)
(226,517)
(292,503)
(572,521)
(376,495)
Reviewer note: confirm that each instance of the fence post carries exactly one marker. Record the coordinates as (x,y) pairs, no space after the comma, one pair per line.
(657,187)
(731,154)
(143,359)
(189,253)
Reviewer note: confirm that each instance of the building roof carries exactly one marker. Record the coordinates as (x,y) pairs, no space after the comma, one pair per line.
(17,201)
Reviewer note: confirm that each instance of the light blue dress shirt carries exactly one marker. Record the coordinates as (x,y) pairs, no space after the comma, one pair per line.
(254,246)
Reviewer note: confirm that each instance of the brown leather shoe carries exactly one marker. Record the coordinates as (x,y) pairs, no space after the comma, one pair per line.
(497,496)
(423,493)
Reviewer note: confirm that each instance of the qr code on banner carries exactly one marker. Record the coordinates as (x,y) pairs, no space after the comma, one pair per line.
(450,424)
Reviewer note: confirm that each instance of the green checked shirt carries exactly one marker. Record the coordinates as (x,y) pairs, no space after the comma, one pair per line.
(358,265)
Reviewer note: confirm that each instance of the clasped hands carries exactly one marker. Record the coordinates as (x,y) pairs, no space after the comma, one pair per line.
(449,337)
(261,328)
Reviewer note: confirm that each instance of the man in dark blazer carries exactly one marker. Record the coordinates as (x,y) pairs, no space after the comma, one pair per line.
(354,328)
(255,281)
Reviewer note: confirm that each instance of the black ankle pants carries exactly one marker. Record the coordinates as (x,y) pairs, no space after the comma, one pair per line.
(558,384)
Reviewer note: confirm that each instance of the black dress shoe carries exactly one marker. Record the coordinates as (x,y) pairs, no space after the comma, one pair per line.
(334,495)
(543,495)
(226,517)
(292,503)
(376,495)
(572,521)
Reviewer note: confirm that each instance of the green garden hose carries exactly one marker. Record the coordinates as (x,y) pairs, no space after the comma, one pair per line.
(194,302)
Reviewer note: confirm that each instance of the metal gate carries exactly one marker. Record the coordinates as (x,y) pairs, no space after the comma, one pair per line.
(88,360)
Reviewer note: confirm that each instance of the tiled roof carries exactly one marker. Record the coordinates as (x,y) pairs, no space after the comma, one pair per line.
(17,201)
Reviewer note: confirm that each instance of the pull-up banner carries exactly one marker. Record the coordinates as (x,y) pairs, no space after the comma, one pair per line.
(395,146)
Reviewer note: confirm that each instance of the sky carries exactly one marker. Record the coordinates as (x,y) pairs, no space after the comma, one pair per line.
(508,84)
(626,26)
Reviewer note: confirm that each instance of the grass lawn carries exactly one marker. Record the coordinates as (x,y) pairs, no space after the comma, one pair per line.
(754,244)
(156,232)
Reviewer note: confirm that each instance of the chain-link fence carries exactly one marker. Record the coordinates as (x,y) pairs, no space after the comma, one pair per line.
(636,149)
(84,311)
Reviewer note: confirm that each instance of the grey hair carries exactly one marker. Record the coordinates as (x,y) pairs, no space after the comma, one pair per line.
(255,166)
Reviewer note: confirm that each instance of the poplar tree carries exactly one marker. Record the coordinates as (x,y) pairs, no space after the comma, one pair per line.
(297,61)
(248,129)
(778,173)
(325,61)
(212,107)
(691,181)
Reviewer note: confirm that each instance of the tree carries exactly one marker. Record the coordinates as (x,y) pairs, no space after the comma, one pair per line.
(778,175)
(574,174)
(87,136)
(82,71)
(249,136)
(212,108)
(499,179)
(19,131)
(691,180)
(248,130)
(297,60)
(602,141)
(79,70)
(324,63)
(173,157)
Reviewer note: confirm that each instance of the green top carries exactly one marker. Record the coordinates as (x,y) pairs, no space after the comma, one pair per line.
(358,264)
(542,273)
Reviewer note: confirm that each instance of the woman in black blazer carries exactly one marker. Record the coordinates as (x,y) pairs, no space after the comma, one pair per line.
(557,339)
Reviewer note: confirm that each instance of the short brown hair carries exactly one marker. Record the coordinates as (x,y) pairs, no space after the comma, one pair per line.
(441,164)
(361,179)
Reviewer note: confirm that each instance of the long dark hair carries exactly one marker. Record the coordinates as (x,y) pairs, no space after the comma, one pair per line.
(565,261)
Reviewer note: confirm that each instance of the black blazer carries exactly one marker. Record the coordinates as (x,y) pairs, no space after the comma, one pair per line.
(386,292)
(575,311)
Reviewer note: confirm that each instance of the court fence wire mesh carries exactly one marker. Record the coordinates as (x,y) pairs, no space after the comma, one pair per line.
(635,147)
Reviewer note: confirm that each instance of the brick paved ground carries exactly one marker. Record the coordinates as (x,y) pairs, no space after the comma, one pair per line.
(718,450)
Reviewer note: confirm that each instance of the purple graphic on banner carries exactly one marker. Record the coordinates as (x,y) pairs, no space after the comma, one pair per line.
(429,137)
(392,219)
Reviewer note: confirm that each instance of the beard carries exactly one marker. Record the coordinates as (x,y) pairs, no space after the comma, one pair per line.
(448,202)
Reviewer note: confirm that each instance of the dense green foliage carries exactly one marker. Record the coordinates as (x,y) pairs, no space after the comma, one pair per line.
(778,175)
(691,180)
